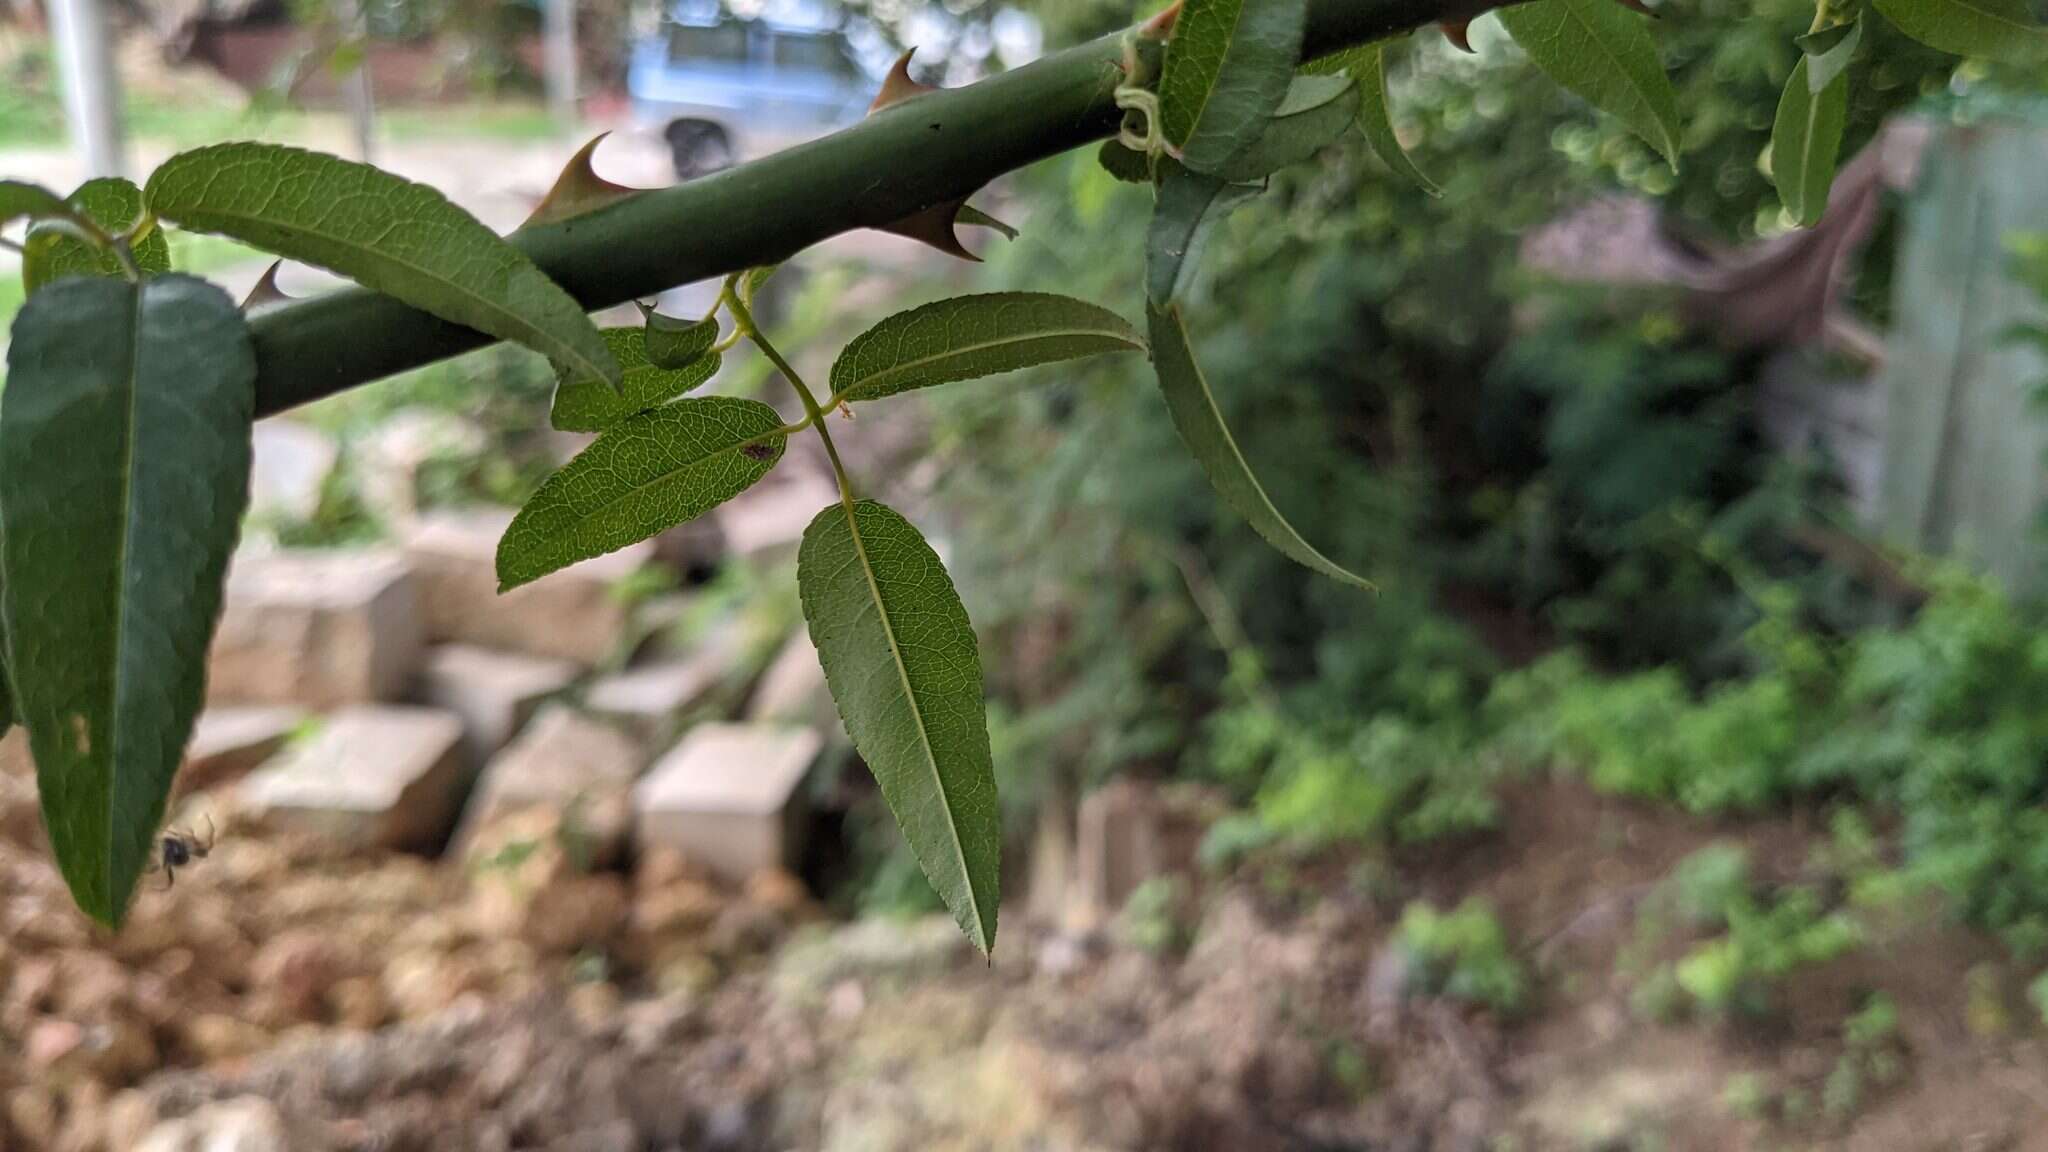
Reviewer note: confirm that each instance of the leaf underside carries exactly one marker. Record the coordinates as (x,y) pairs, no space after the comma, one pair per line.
(1315,112)
(1226,69)
(384,232)
(124,470)
(1604,53)
(1201,427)
(968,337)
(641,476)
(1994,29)
(900,658)
(1190,206)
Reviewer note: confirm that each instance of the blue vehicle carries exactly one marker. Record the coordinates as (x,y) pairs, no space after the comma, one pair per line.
(716,86)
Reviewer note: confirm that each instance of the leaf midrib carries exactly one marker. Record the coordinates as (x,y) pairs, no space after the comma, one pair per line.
(128,523)
(860,551)
(536,334)
(854,390)
(1209,89)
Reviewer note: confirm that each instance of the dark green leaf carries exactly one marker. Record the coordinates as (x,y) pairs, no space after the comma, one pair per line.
(19,199)
(588,406)
(968,337)
(1126,164)
(1190,205)
(124,471)
(900,658)
(676,343)
(644,474)
(1806,140)
(1828,53)
(115,205)
(1993,29)
(1201,427)
(1604,53)
(1316,110)
(403,239)
(1227,67)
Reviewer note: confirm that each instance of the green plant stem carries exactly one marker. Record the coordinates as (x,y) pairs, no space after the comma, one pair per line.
(930,150)
(743,321)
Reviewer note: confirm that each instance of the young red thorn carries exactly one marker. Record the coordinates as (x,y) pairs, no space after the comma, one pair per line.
(938,224)
(1459,33)
(1161,26)
(579,189)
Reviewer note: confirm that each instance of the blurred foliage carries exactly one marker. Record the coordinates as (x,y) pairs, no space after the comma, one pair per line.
(1464,955)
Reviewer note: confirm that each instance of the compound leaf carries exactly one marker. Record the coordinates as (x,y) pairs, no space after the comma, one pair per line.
(1604,53)
(124,472)
(387,233)
(644,474)
(900,659)
(1316,110)
(1227,67)
(1190,205)
(1201,427)
(52,252)
(588,406)
(968,337)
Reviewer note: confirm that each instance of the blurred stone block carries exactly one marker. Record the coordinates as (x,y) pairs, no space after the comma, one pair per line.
(1130,831)
(372,778)
(579,768)
(793,690)
(573,614)
(728,797)
(230,742)
(495,693)
(316,629)
(766,523)
(289,468)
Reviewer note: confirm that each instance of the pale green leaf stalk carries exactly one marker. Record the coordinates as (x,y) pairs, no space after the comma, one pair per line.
(1201,427)
(1189,208)
(1993,29)
(384,232)
(1604,53)
(968,337)
(1315,113)
(115,205)
(641,476)
(900,658)
(584,405)
(1227,68)
(124,472)
(1806,141)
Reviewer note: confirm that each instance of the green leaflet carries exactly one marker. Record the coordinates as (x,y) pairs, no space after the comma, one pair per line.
(900,658)
(403,239)
(1126,164)
(1993,29)
(115,205)
(645,474)
(1316,110)
(583,405)
(1227,67)
(124,471)
(1805,141)
(676,343)
(1190,205)
(1201,427)
(1604,53)
(1367,66)
(1829,53)
(968,337)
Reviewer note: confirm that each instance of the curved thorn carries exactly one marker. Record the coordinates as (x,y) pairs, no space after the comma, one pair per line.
(579,189)
(266,292)
(899,86)
(1459,33)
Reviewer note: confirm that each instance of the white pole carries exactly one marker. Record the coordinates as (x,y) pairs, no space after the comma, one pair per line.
(355,87)
(558,61)
(92,93)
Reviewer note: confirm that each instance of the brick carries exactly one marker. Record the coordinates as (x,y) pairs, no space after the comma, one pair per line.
(495,693)
(650,699)
(568,615)
(230,742)
(564,762)
(728,797)
(317,629)
(374,777)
